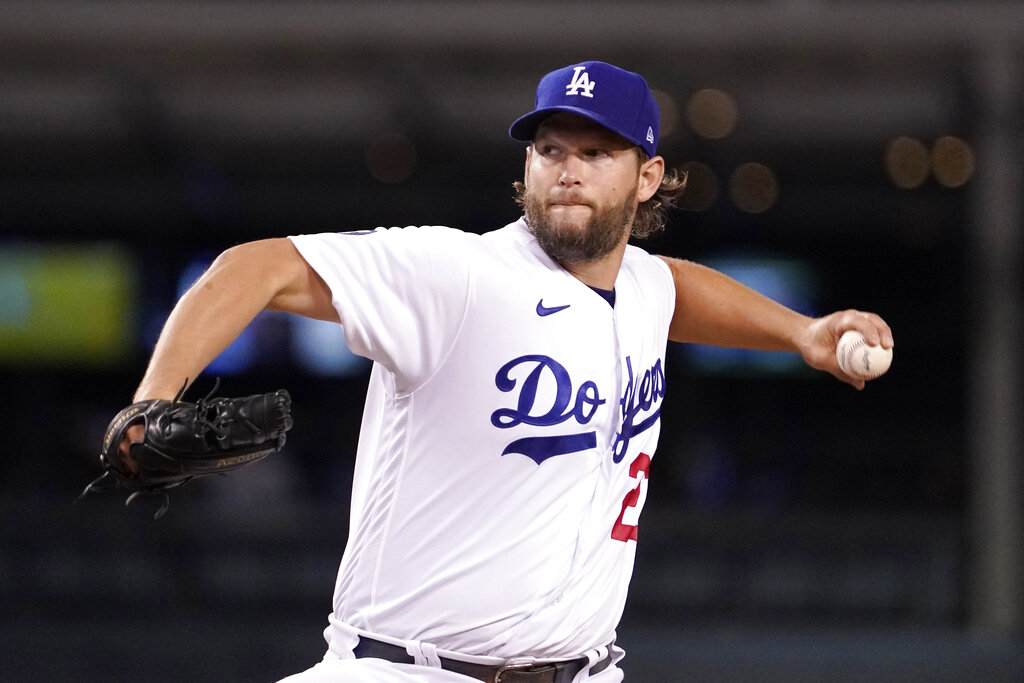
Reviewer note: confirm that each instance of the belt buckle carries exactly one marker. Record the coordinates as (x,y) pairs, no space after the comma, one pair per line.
(511,666)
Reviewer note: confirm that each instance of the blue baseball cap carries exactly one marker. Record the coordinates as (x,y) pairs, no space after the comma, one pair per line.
(615,98)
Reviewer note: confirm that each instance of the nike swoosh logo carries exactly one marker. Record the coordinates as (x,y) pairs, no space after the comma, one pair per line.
(543,310)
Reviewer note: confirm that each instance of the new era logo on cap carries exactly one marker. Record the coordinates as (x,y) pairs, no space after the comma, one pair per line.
(617,99)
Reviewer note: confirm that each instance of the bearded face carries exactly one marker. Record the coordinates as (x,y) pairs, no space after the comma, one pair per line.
(571,239)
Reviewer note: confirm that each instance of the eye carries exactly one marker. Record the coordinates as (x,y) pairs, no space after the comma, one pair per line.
(598,153)
(549,151)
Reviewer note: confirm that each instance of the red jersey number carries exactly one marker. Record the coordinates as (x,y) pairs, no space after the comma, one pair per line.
(625,526)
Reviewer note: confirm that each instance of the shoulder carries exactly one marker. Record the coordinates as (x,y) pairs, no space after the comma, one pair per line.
(400,245)
(643,265)
(422,233)
(647,282)
(515,233)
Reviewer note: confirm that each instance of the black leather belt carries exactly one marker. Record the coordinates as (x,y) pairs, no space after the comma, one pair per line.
(553,672)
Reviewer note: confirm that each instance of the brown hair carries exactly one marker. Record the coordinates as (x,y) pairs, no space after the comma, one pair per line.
(651,215)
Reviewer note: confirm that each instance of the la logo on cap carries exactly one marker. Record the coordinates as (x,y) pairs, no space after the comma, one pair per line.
(580,81)
(625,104)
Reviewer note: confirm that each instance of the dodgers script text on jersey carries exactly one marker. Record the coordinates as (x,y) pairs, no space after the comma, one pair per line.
(550,401)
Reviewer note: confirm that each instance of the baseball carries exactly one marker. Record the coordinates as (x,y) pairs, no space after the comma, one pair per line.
(857,358)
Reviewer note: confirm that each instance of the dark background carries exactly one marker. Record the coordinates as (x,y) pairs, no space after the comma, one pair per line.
(795,529)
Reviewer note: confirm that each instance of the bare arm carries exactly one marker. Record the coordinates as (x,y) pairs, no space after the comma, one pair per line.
(712,308)
(244,280)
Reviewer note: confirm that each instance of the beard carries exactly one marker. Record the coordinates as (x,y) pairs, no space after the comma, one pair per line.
(567,242)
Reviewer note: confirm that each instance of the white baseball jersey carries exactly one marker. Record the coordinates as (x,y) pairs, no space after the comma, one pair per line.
(510,422)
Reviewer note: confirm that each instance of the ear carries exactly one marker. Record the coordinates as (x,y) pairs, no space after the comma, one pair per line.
(651,173)
(526,170)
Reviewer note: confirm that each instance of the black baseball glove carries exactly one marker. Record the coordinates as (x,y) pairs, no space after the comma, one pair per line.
(182,441)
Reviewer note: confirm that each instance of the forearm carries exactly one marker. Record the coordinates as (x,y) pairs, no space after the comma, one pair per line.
(203,323)
(712,308)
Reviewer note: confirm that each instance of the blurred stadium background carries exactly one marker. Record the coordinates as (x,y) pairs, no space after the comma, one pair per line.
(842,153)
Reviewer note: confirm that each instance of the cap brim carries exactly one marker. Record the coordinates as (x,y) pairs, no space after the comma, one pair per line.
(525,127)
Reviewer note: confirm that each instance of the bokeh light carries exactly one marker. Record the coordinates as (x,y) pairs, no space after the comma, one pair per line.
(669,112)
(952,161)
(753,187)
(701,187)
(712,113)
(907,162)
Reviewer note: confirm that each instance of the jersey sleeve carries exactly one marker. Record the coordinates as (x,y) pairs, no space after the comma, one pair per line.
(401,293)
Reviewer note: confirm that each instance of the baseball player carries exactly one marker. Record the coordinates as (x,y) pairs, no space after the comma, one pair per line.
(513,408)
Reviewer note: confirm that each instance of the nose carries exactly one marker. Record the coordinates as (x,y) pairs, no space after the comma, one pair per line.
(570,171)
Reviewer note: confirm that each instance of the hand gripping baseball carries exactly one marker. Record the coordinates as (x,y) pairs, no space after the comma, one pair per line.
(181,441)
